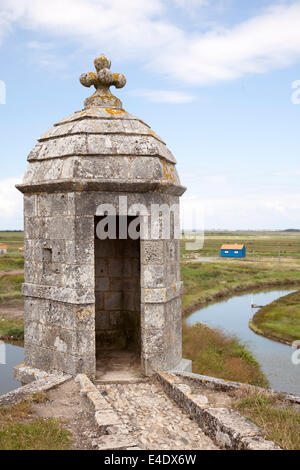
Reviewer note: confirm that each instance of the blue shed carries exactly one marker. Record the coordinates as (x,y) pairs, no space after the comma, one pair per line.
(233,251)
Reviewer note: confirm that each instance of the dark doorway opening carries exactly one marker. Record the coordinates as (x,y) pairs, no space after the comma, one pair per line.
(118,302)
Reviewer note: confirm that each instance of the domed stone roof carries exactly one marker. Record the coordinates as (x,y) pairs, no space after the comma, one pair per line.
(101,147)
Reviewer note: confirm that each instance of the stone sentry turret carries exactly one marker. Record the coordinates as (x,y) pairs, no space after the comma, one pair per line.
(83,294)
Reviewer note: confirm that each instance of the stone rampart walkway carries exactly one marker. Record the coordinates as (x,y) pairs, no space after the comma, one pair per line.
(153,420)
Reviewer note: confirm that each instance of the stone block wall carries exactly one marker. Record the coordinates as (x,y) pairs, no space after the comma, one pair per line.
(134,285)
(59,336)
(161,320)
(59,285)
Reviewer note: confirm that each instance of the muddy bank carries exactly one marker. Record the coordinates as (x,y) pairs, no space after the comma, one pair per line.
(224,294)
(256,330)
(12,310)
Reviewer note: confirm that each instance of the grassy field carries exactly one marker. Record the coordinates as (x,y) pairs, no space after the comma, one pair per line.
(280,422)
(13,259)
(258,244)
(10,288)
(217,355)
(212,352)
(19,430)
(205,281)
(11,329)
(279,320)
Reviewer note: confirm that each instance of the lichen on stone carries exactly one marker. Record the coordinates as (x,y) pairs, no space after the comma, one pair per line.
(102,81)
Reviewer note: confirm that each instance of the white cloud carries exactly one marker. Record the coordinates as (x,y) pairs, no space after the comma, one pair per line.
(11,204)
(40,46)
(191,4)
(288,173)
(143,30)
(93,23)
(6,21)
(271,210)
(45,55)
(255,46)
(164,96)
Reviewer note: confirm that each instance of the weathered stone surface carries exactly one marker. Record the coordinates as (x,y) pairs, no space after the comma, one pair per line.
(154,295)
(225,426)
(152,419)
(152,252)
(106,168)
(105,416)
(101,126)
(153,276)
(123,292)
(258,443)
(49,170)
(216,384)
(78,276)
(105,419)
(57,246)
(50,359)
(185,365)
(60,294)
(97,113)
(115,443)
(102,81)
(93,137)
(110,185)
(153,316)
(26,375)
(41,383)
(61,147)
(30,205)
(84,228)
(69,316)
(52,205)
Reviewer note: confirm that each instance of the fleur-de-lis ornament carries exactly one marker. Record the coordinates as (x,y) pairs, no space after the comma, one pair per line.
(102,80)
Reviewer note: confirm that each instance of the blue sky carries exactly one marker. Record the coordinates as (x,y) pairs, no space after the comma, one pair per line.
(213,78)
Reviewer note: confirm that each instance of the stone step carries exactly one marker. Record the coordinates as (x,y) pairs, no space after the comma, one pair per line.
(120,376)
(120,380)
(117,442)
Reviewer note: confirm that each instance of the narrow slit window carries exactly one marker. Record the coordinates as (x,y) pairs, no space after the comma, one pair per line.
(47,255)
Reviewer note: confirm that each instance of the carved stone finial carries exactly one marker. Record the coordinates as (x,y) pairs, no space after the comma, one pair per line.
(102,80)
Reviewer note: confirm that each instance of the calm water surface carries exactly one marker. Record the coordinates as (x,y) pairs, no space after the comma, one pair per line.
(233,316)
(14,355)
